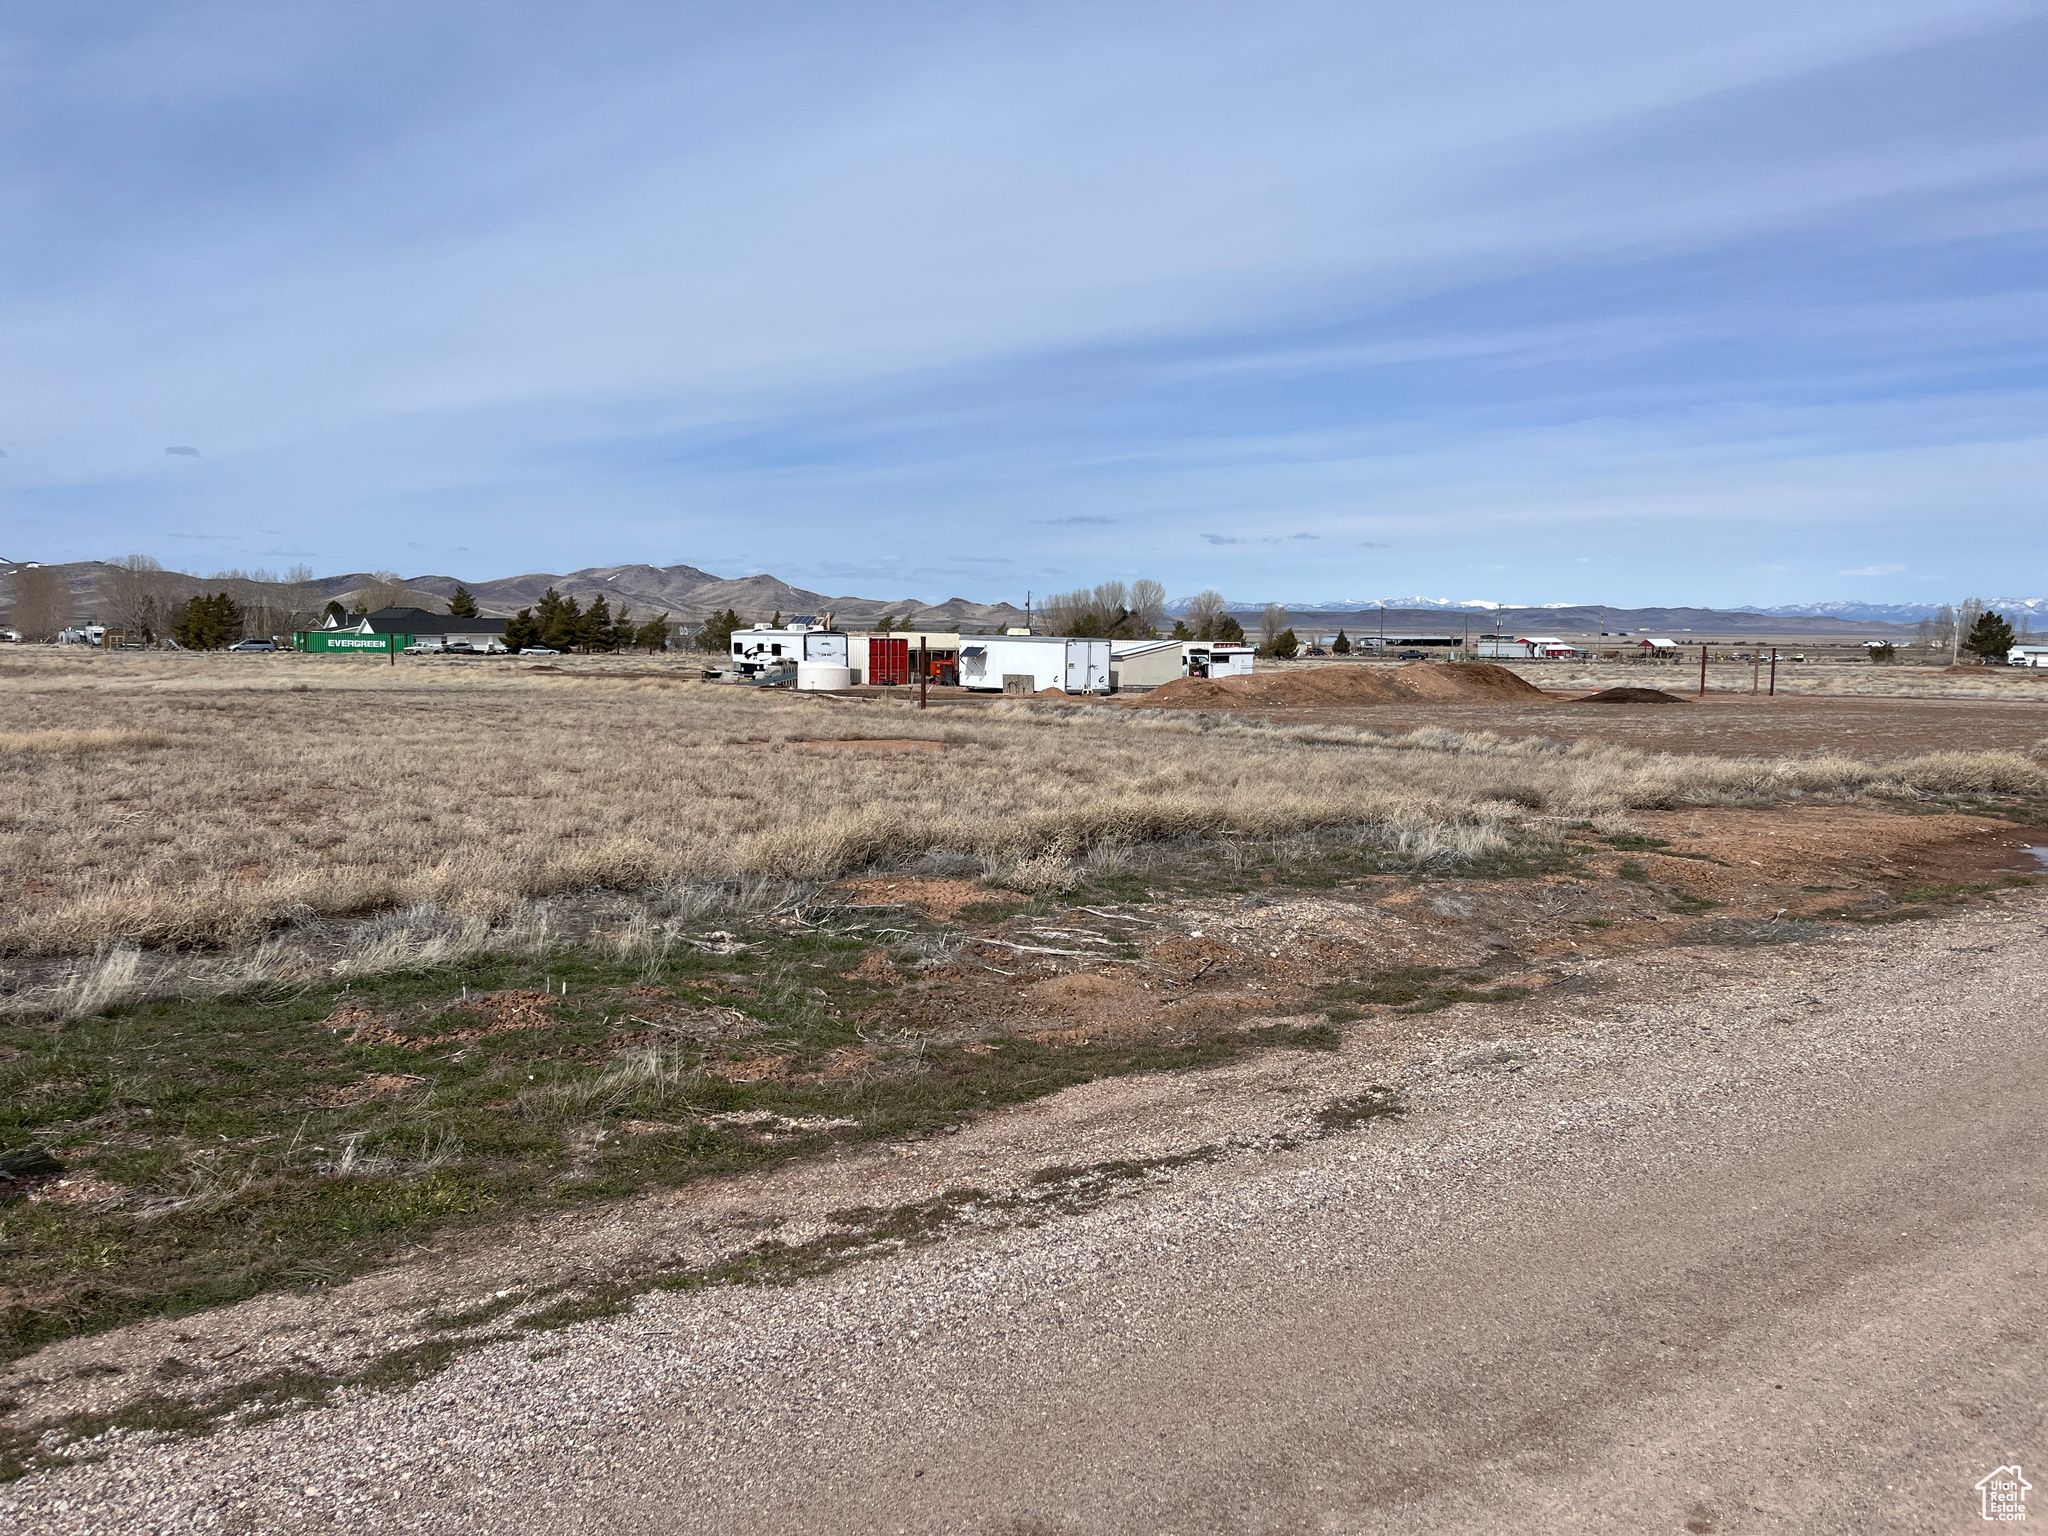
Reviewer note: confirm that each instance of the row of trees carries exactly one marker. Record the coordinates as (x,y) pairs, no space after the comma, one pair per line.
(561,624)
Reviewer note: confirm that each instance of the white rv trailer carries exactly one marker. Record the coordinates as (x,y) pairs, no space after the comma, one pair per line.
(764,648)
(1029,663)
(2027,656)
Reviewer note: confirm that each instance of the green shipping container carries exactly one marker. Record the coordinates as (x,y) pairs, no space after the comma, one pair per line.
(347,642)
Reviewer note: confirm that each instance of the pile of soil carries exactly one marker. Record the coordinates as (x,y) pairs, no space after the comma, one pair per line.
(1457,682)
(1630,696)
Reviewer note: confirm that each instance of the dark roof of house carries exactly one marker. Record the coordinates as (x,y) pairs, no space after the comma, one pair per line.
(417,621)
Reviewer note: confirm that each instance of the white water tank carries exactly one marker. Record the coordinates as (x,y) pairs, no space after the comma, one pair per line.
(816,675)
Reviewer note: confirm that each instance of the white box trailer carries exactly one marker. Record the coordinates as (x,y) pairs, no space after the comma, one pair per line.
(1031,663)
(1502,648)
(764,648)
(2027,656)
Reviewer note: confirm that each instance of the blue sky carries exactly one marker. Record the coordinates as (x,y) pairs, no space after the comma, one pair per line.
(1573,302)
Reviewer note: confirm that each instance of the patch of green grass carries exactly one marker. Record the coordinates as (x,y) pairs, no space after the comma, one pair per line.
(1631,870)
(1413,989)
(1692,906)
(1958,893)
(1599,922)
(221,1119)
(1636,842)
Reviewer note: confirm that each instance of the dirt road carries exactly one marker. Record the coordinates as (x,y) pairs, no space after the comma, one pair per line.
(1754,1243)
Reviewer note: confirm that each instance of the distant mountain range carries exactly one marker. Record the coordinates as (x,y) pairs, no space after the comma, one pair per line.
(1898,613)
(689,595)
(685,593)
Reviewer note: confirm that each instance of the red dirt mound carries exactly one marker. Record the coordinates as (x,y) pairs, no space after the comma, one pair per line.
(1464,682)
(1630,696)
(1457,682)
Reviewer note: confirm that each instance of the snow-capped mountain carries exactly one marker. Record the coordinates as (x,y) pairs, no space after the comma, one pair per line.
(1892,613)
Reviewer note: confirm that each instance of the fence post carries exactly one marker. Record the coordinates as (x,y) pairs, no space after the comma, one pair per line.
(924,669)
(1774,672)
(1703,671)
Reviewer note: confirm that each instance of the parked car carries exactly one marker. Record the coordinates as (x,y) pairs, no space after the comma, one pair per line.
(254,645)
(425,648)
(539,650)
(1410,656)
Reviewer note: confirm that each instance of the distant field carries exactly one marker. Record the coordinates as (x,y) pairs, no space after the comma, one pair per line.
(239,793)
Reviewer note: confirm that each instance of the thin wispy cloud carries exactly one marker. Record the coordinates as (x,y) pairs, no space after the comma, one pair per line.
(1099,291)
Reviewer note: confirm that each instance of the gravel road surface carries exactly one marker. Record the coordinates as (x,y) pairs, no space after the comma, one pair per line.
(1765,1253)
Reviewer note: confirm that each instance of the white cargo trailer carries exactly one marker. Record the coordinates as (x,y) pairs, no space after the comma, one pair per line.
(1030,663)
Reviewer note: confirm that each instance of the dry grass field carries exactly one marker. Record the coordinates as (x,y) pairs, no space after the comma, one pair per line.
(209,800)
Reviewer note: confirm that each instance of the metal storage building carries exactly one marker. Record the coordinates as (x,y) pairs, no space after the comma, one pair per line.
(1140,664)
(1029,663)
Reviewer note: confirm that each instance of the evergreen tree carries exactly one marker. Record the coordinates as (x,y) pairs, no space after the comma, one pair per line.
(334,611)
(716,635)
(1181,631)
(596,628)
(561,621)
(521,630)
(1283,645)
(653,635)
(1227,631)
(777,620)
(208,623)
(1341,646)
(1989,637)
(462,605)
(884,624)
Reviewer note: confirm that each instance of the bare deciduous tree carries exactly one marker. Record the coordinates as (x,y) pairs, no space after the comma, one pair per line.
(1203,610)
(138,597)
(42,602)
(384,589)
(1148,606)
(1273,620)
